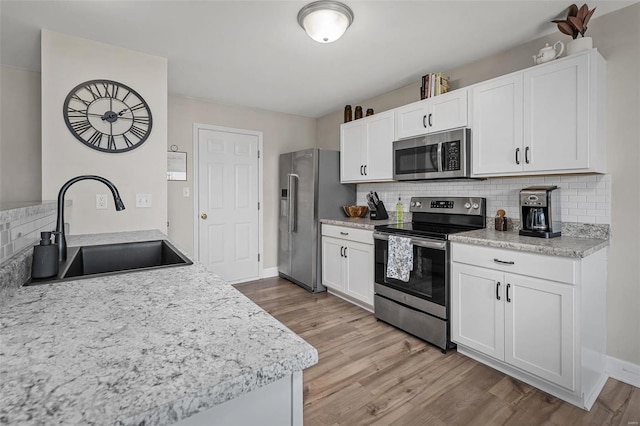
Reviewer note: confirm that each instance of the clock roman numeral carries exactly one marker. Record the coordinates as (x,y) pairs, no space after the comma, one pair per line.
(141,120)
(137,131)
(137,107)
(96,94)
(111,142)
(76,113)
(107,93)
(79,99)
(81,126)
(95,139)
(127,140)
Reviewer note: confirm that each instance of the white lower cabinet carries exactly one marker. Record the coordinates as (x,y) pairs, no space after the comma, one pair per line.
(532,316)
(347,263)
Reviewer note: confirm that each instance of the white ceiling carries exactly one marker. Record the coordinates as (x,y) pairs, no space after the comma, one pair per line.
(253,53)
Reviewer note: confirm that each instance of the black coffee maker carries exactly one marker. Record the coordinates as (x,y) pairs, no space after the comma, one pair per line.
(540,212)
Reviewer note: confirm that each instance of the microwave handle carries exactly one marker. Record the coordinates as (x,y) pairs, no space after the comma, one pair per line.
(440,157)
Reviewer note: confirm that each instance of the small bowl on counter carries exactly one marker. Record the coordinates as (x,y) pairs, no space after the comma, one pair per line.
(355,211)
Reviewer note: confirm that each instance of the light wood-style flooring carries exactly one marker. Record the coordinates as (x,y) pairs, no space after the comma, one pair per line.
(370,373)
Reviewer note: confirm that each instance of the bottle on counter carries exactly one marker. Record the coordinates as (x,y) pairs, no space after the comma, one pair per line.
(399,218)
(45,258)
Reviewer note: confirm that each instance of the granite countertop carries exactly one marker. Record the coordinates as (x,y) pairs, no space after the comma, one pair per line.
(359,222)
(560,246)
(148,347)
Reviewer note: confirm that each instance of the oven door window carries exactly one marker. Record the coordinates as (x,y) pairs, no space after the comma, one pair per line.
(420,159)
(427,279)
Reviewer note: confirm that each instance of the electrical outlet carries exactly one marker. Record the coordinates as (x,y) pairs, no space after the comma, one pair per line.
(185,191)
(101,201)
(143,200)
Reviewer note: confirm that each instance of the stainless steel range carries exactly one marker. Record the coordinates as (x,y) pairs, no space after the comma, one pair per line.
(420,305)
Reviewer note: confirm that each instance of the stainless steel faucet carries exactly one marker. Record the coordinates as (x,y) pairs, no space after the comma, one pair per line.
(60,238)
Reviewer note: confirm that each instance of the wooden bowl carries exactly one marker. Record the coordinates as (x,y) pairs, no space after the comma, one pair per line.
(356,211)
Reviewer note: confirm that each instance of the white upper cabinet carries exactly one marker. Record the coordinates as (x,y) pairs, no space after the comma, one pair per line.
(366,149)
(442,112)
(497,125)
(556,116)
(545,119)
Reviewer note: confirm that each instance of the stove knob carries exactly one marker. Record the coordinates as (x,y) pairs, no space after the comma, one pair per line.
(418,204)
(467,205)
(413,203)
(476,206)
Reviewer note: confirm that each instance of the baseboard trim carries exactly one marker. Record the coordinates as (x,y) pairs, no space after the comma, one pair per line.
(270,272)
(623,371)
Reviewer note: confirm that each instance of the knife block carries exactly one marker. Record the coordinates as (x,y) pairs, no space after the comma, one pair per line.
(379,213)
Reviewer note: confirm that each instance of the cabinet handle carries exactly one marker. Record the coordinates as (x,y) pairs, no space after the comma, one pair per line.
(344,233)
(517,155)
(424,121)
(365,170)
(345,251)
(361,174)
(511,262)
(508,287)
(430,124)
(526,155)
(498,291)
(341,251)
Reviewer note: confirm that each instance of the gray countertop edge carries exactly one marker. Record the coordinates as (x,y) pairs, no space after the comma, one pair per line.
(358,222)
(561,246)
(564,246)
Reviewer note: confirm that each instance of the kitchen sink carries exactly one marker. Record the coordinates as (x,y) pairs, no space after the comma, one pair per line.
(112,259)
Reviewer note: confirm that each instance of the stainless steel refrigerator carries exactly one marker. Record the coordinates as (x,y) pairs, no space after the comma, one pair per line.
(310,190)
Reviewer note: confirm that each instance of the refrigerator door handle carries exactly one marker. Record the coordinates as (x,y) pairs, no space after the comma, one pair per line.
(292,191)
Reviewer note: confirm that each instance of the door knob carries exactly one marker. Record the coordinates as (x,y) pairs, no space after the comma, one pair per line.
(203,215)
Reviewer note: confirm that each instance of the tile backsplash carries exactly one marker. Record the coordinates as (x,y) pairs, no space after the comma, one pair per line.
(20,228)
(583,198)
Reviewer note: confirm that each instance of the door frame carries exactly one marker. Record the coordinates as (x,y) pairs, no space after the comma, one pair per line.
(196,197)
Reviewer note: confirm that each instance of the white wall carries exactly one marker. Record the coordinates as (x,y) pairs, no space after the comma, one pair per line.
(617,37)
(66,62)
(281,133)
(20,149)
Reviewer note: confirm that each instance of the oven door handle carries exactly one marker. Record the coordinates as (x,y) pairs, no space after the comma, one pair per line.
(440,167)
(437,245)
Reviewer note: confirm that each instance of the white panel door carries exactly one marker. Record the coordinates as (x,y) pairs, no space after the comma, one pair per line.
(556,114)
(359,274)
(411,120)
(352,151)
(497,126)
(539,337)
(379,137)
(477,309)
(228,216)
(447,111)
(332,263)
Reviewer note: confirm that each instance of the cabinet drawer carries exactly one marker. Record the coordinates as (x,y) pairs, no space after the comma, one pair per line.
(352,234)
(561,269)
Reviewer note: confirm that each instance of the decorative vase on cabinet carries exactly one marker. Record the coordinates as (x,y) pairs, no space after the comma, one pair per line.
(579,45)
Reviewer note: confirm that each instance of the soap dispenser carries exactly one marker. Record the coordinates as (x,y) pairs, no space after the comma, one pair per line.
(45,258)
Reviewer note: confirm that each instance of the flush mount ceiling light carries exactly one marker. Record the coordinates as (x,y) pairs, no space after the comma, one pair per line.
(325,21)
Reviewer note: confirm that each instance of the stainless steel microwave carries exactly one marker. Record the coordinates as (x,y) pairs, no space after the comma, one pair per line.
(443,155)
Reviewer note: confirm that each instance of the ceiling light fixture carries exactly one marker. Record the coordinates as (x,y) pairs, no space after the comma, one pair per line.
(325,21)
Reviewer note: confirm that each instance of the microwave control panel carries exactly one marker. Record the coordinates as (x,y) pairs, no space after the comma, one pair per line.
(451,156)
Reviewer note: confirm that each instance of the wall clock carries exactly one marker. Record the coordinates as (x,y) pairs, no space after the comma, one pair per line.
(107,116)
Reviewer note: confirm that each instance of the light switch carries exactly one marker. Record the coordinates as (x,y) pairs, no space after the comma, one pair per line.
(143,200)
